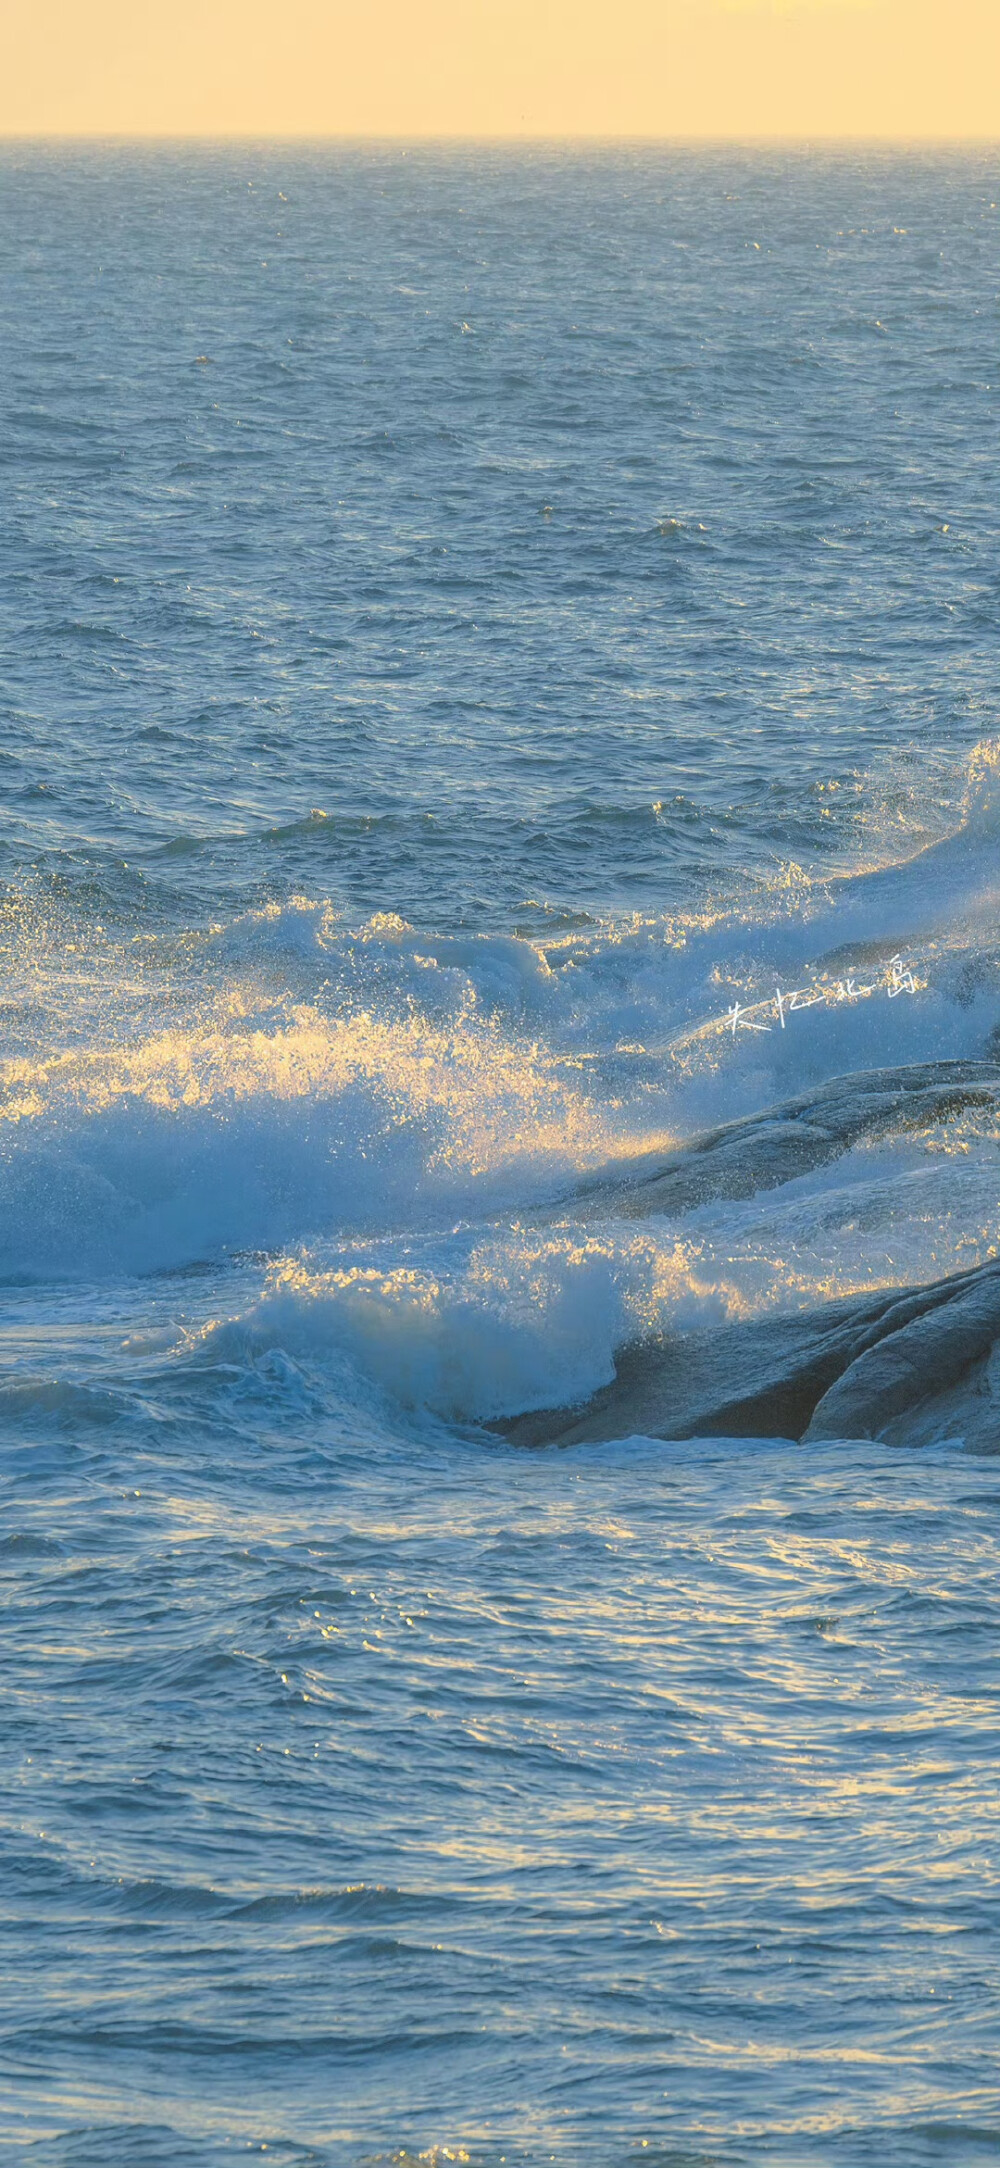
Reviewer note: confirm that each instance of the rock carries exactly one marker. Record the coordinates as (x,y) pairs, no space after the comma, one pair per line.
(902,1365)
(923,1347)
(873,1367)
(763,1150)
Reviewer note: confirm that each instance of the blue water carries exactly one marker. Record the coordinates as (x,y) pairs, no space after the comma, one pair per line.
(472,619)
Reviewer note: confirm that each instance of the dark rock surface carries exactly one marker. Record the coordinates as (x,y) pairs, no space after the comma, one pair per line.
(763,1150)
(903,1365)
(860,1368)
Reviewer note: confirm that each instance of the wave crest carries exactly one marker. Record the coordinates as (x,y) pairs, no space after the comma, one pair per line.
(199,1141)
(528,1322)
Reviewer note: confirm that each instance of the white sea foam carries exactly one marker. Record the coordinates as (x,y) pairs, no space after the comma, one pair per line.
(223,1137)
(483,1325)
(288,1077)
(487,971)
(481,1329)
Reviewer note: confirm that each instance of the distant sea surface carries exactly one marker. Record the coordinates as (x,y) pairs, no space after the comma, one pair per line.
(478,626)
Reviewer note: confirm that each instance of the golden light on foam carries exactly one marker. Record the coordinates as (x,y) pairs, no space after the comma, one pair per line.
(485,1100)
(689,68)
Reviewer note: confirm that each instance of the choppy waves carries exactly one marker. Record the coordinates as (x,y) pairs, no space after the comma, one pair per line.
(442,776)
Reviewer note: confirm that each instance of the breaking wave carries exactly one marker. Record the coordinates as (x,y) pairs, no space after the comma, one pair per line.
(284,1081)
(192,1143)
(507,1323)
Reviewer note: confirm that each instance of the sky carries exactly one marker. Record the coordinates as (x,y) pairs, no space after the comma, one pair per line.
(894,69)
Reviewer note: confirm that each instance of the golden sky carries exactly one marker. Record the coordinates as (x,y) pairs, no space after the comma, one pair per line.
(890,68)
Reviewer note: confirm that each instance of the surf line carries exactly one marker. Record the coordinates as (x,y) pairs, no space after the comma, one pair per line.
(898,979)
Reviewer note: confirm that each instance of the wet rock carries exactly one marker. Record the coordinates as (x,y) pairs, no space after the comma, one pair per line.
(759,1378)
(924,1347)
(902,1367)
(764,1150)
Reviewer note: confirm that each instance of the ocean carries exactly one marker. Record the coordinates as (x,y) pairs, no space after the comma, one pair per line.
(500,664)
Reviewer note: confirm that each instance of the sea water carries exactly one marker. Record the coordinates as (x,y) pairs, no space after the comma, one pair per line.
(485,629)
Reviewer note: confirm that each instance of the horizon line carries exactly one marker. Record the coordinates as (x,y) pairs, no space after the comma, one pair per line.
(449,137)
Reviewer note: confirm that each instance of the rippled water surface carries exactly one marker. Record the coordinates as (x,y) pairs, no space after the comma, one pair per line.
(479,628)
